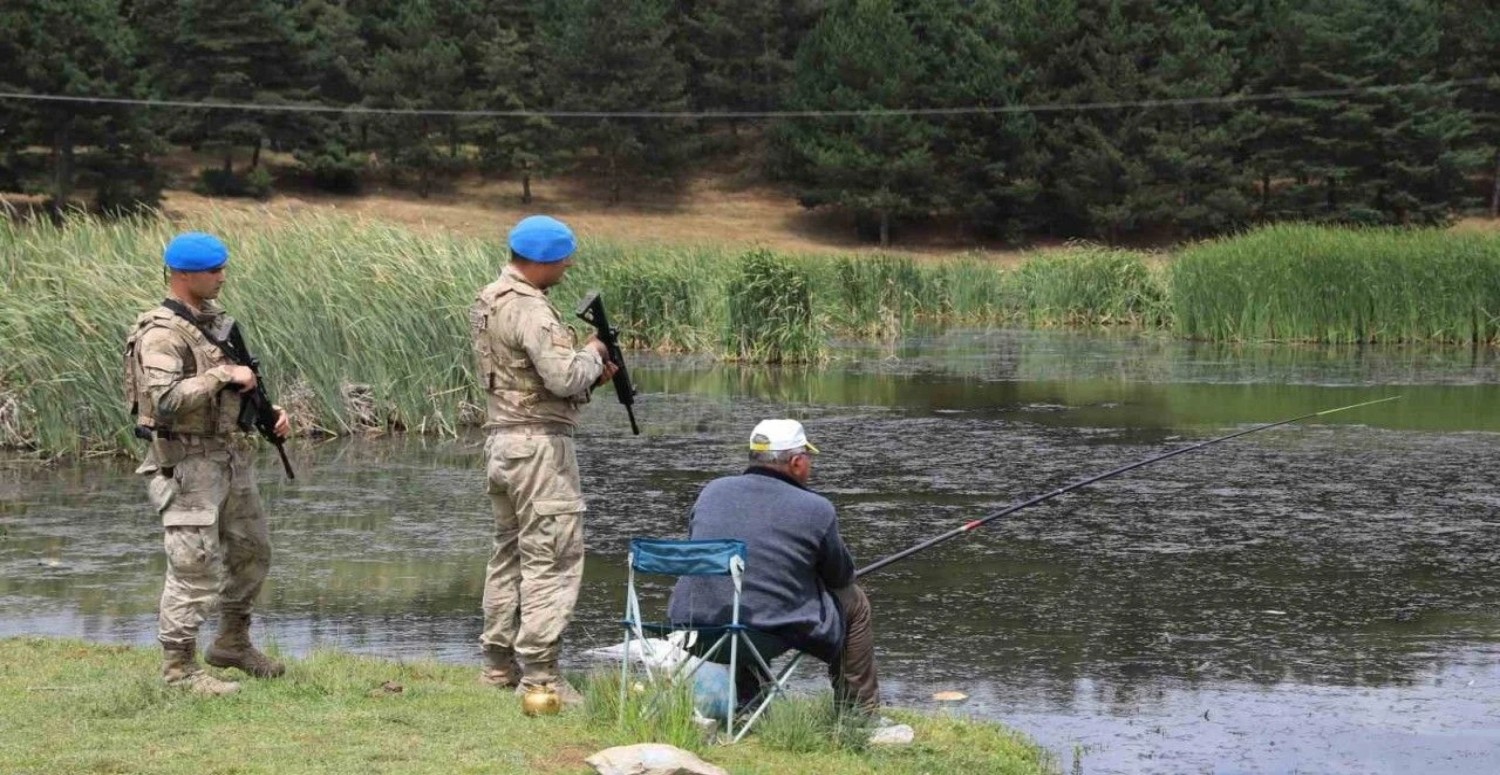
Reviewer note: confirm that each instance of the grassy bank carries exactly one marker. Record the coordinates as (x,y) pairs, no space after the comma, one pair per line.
(334,303)
(365,324)
(1313,284)
(68,706)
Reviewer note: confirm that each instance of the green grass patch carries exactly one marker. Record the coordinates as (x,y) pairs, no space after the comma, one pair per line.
(70,707)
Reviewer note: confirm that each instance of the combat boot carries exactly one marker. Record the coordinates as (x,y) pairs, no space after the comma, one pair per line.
(545,674)
(179,668)
(232,648)
(500,670)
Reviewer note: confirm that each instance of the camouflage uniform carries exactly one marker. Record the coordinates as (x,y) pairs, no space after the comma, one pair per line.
(202,483)
(535,380)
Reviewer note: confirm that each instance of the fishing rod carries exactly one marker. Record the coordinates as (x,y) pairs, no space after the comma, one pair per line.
(976,523)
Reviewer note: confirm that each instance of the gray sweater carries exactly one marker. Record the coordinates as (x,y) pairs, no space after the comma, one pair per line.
(795,557)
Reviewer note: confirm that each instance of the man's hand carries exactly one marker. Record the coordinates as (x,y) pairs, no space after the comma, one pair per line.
(241,376)
(283,425)
(609,373)
(593,343)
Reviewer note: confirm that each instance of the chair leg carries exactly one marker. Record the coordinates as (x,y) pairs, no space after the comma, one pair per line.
(778,686)
(624,676)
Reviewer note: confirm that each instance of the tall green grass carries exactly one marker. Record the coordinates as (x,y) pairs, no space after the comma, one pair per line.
(654,710)
(1307,283)
(338,305)
(771,318)
(1091,286)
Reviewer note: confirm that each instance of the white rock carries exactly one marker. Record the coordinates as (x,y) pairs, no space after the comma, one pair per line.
(895,734)
(651,759)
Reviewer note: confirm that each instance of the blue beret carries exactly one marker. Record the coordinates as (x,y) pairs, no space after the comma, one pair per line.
(543,239)
(195,251)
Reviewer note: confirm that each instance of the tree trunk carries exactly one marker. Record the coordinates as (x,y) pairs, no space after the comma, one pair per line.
(62,172)
(525,188)
(1495,188)
(228,160)
(614,181)
(885,228)
(255,156)
(1265,193)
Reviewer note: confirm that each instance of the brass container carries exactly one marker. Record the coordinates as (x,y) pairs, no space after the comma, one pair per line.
(540,701)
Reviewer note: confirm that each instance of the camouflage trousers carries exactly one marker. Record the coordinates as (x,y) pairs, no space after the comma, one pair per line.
(532,579)
(217,541)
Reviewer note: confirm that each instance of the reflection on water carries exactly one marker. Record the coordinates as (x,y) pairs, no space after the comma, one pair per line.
(1315,598)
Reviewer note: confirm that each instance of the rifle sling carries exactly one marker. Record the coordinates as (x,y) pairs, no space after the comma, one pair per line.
(227,347)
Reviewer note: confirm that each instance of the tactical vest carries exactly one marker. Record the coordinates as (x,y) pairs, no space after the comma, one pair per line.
(511,382)
(218,416)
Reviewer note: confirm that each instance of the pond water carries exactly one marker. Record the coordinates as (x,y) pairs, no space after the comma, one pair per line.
(1320,597)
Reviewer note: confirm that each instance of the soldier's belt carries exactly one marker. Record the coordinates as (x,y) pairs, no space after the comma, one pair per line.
(535,429)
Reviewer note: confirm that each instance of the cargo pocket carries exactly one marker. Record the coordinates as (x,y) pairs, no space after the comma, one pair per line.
(190,553)
(561,524)
(202,484)
(505,458)
(161,490)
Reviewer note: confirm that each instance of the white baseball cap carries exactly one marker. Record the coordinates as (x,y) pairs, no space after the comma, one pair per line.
(778,436)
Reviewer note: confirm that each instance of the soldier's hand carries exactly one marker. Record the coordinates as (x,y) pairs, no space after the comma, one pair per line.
(597,346)
(283,425)
(609,373)
(241,376)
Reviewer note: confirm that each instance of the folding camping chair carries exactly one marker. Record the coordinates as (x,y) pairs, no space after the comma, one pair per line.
(665,557)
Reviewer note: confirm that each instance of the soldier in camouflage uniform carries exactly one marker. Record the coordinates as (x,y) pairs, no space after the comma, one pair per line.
(536,379)
(185,392)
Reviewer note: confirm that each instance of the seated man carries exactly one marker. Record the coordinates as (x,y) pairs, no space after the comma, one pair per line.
(799,577)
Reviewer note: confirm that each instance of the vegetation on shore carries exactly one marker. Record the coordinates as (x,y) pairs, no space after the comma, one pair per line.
(364,325)
(70,706)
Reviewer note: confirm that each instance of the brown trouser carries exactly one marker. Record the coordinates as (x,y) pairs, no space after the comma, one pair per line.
(217,542)
(855,683)
(536,563)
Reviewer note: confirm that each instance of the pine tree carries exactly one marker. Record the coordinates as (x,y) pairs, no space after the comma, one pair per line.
(613,56)
(734,51)
(1267,47)
(862,56)
(416,70)
(76,48)
(988,162)
(1383,155)
(234,51)
(331,72)
(526,146)
(1471,47)
(1114,171)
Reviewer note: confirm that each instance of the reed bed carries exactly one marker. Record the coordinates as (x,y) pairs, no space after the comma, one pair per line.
(364,325)
(1306,283)
(1091,286)
(771,318)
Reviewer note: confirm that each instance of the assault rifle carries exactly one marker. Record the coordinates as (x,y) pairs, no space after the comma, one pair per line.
(256,410)
(591,311)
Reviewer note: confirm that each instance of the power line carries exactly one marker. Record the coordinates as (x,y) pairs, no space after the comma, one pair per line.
(971,110)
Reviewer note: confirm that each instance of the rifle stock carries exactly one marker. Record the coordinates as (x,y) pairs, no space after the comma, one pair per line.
(591,311)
